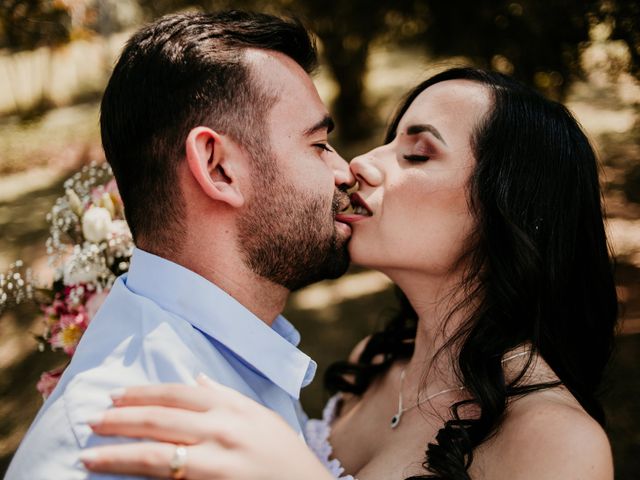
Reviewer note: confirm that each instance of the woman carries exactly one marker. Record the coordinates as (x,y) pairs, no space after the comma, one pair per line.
(483,206)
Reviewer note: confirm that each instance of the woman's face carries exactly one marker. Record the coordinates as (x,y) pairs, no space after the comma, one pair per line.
(416,186)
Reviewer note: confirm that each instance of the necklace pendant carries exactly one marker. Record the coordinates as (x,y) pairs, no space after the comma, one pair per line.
(395,420)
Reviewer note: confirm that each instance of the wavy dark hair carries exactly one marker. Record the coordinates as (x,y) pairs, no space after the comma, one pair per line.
(538,270)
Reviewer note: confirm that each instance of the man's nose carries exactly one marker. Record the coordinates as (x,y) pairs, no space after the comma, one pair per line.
(341,171)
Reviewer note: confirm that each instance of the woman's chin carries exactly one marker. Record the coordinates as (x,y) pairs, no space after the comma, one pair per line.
(360,255)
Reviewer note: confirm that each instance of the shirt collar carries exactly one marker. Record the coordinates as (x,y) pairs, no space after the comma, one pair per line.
(269,350)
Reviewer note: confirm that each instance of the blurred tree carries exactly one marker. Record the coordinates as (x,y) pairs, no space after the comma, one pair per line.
(30,24)
(27,24)
(540,43)
(537,42)
(623,16)
(346,30)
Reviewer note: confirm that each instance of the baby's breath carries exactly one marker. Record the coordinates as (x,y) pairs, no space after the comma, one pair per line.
(84,270)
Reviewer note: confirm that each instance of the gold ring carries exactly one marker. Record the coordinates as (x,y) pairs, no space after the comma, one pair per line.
(178,463)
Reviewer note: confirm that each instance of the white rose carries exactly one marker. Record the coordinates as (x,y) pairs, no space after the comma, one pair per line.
(120,228)
(96,224)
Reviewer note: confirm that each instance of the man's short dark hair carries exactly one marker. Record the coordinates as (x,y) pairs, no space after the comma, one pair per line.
(182,71)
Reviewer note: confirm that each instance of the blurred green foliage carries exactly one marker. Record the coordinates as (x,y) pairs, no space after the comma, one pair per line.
(27,24)
(538,42)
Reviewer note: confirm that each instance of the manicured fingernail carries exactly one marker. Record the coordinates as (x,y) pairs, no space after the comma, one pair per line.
(88,456)
(116,394)
(203,379)
(94,419)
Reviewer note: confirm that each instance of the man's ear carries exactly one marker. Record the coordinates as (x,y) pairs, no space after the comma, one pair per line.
(211,159)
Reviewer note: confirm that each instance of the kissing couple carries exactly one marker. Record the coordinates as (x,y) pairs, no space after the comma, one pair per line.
(482,205)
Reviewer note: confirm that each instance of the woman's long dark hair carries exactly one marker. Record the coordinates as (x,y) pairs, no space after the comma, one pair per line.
(539,270)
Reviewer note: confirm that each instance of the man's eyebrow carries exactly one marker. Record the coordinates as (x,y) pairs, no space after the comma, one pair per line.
(325,124)
(416,129)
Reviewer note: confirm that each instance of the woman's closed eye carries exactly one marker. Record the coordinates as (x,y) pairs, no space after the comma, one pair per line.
(416,158)
(420,151)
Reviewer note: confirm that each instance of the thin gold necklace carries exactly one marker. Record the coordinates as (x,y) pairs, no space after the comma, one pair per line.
(395,420)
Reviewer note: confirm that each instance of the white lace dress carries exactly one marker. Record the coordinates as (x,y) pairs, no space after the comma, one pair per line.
(317,432)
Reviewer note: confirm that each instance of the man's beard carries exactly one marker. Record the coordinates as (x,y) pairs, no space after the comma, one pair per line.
(287,235)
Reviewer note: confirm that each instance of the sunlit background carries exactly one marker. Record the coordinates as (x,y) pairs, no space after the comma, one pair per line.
(56,56)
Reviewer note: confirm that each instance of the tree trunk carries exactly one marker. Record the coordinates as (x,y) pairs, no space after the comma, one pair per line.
(349,66)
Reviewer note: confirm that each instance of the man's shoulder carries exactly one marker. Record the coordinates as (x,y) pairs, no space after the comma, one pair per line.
(38,457)
(131,341)
(134,329)
(109,362)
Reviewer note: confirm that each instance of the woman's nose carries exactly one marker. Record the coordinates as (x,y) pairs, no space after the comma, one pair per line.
(365,170)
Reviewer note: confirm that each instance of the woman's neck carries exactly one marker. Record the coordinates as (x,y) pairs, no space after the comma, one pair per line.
(435,301)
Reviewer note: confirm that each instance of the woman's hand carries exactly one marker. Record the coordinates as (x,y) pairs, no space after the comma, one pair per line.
(226,436)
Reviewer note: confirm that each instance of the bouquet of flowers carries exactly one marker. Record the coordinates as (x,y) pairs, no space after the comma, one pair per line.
(89,245)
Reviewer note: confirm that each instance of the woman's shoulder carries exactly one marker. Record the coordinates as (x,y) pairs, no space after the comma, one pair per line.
(548,435)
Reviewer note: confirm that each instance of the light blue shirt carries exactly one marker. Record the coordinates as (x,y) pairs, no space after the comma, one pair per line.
(160,323)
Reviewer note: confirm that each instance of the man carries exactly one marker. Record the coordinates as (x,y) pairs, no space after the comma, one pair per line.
(218,141)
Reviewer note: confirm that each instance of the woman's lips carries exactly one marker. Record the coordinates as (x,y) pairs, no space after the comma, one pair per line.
(360,210)
(359,204)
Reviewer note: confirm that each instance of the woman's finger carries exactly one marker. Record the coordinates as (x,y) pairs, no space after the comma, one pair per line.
(205,381)
(160,423)
(201,462)
(188,397)
(225,396)
(143,459)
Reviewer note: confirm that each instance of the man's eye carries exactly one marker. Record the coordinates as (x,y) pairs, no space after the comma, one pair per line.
(323,146)
(416,158)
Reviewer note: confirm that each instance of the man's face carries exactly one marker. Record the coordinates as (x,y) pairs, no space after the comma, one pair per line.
(288,233)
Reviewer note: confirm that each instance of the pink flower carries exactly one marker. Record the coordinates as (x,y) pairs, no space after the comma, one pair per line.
(112,187)
(96,195)
(55,309)
(48,381)
(68,332)
(94,302)
(66,318)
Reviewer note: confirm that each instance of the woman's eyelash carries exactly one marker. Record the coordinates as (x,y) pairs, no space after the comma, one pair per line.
(323,146)
(416,158)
